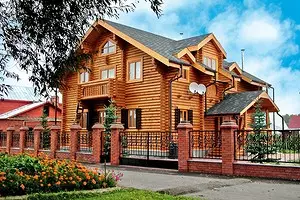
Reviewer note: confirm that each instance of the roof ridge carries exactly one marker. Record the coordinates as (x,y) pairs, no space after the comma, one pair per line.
(202,35)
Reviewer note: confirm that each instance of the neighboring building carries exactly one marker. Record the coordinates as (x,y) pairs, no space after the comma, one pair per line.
(21,107)
(294,122)
(148,77)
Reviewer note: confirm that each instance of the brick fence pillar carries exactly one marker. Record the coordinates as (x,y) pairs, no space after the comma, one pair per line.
(37,139)
(115,143)
(9,133)
(97,142)
(75,128)
(23,131)
(227,130)
(183,129)
(54,130)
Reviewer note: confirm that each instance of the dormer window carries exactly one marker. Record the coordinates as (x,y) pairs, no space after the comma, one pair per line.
(210,62)
(108,47)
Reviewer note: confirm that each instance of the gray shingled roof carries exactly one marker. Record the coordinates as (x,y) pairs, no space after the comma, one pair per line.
(162,45)
(226,66)
(234,103)
(21,93)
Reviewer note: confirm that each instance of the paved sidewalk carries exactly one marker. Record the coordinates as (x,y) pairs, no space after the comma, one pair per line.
(207,186)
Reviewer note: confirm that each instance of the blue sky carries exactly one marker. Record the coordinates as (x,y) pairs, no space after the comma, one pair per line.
(269,30)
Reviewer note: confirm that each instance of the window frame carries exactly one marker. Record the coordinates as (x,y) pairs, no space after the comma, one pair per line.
(187,78)
(210,58)
(107,68)
(88,77)
(186,114)
(102,118)
(130,61)
(133,124)
(103,45)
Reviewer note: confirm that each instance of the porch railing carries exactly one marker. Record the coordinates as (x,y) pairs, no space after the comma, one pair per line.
(146,144)
(268,146)
(97,88)
(205,144)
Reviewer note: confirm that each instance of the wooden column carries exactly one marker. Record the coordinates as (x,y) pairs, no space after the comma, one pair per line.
(183,129)
(54,140)
(75,128)
(37,139)
(23,131)
(98,129)
(9,132)
(115,143)
(227,130)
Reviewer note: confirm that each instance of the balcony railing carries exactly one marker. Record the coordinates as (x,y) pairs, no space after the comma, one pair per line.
(97,89)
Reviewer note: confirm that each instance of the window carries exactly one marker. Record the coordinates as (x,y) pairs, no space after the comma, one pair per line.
(109,47)
(183,115)
(102,115)
(131,118)
(185,74)
(84,77)
(108,73)
(46,110)
(135,71)
(210,62)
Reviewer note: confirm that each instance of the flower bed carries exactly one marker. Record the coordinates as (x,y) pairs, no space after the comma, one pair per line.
(24,174)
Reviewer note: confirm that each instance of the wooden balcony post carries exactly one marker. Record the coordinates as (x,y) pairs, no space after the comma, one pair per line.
(75,128)
(183,129)
(23,131)
(54,140)
(37,139)
(9,132)
(98,130)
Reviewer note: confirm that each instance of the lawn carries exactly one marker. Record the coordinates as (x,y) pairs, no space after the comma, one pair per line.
(132,194)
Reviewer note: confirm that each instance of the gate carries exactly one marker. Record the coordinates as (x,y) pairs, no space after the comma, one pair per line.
(149,148)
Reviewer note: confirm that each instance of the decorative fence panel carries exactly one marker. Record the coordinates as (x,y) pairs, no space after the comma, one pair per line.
(29,139)
(205,144)
(45,140)
(149,144)
(63,141)
(2,139)
(85,142)
(15,142)
(268,146)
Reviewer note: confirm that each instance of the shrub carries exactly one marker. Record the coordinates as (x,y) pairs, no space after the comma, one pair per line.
(24,174)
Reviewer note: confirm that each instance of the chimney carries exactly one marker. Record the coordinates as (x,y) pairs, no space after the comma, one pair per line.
(243,58)
(53,100)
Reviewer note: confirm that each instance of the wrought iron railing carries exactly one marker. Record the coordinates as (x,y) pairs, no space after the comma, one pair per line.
(63,141)
(45,140)
(85,141)
(29,139)
(2,139)
(268,146)
(205,144)
(15,141)
(147,144)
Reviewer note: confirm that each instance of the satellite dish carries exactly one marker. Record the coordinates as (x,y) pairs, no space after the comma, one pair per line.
(193,87)
(201,89)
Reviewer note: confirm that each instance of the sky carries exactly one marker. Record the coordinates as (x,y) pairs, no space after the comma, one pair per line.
(269,30)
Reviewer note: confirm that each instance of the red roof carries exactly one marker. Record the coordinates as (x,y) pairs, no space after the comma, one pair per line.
(294,121)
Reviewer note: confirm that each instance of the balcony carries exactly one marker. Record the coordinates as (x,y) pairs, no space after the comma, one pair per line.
(98,89)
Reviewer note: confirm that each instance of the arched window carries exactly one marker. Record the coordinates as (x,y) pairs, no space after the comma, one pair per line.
(108,47)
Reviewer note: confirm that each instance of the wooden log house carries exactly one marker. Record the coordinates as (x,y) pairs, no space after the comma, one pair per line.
(148,77)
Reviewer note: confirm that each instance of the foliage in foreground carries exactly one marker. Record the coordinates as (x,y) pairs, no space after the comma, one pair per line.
(23,174)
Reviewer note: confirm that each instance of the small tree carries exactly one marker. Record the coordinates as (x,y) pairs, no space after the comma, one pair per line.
(260,143)
(45,141)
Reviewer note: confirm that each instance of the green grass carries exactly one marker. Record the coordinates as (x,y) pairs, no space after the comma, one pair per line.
(132,194)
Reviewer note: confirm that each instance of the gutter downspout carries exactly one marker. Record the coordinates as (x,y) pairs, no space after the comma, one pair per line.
(176,77)
(232,86)
(213,83)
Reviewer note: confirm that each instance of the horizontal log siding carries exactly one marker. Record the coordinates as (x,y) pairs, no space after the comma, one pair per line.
(145,94)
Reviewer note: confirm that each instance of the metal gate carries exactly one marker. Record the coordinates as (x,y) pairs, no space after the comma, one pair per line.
(149,148)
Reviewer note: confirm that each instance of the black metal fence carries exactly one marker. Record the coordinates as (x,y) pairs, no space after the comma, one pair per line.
(268,146)
(45,140)
(15,142)
(148,144)
(205,144)
(63,141)
(29,139)
(2,139)
(85,141)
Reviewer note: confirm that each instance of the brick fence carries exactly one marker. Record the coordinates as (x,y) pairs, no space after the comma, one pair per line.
(79,145)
